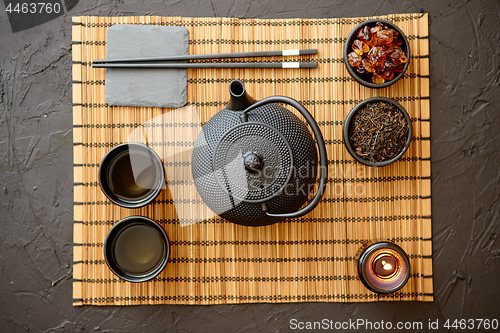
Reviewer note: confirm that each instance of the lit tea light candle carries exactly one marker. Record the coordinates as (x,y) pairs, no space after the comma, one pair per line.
(384,267)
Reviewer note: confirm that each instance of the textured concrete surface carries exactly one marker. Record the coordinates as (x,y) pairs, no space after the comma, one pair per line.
(36,174)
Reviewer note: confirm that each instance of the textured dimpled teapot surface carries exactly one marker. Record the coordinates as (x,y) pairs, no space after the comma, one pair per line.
(252,162)
(289,152)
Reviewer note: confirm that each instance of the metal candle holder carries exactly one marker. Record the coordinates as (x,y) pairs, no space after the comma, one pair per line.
(384,267)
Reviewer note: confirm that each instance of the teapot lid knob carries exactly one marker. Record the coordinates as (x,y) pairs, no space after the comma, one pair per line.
(253,161)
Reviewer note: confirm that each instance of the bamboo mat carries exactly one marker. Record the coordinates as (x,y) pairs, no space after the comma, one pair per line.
(310,259)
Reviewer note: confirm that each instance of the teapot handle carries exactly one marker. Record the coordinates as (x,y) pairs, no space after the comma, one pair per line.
(321,147)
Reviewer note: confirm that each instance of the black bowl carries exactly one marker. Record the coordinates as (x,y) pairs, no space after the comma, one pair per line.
(130,243)
(124,165)
(347,123)
(366,79)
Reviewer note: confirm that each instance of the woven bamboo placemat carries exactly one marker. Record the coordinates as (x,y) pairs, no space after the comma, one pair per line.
(311,259)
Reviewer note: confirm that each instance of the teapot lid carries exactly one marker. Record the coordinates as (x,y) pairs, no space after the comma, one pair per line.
(253,162)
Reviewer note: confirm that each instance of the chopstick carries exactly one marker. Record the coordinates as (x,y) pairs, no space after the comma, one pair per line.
(210,65)
(279,53)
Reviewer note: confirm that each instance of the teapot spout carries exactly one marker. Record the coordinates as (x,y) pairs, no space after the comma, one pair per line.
(240,99)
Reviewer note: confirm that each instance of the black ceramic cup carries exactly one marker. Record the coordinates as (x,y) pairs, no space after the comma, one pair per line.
(347,124)
(365,79)
(136,249)
(131,175)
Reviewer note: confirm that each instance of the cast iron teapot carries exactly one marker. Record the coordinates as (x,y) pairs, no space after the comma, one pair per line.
(255,163)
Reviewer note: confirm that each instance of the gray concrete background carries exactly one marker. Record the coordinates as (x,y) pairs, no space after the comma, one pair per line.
(36,174)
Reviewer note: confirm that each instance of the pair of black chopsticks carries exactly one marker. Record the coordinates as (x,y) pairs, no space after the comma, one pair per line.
(169,61)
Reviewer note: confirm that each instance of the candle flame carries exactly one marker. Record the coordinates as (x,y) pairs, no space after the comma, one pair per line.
(386,265)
